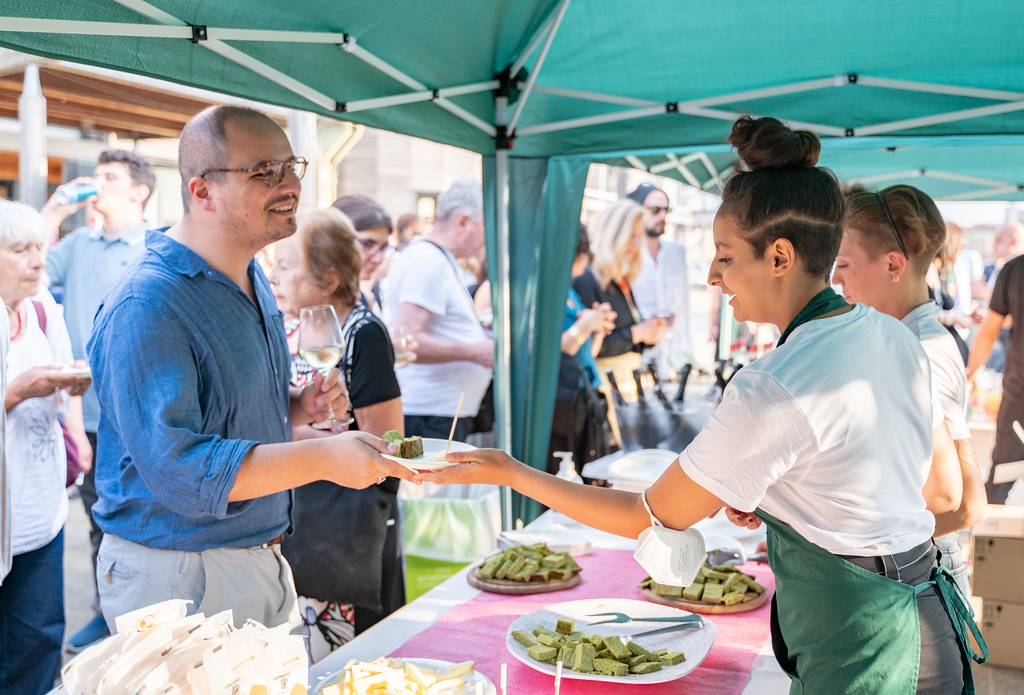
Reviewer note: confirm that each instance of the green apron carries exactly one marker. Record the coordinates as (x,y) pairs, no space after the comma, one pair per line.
(839,628)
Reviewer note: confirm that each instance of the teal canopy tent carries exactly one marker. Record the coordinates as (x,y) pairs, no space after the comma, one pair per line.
(900,90)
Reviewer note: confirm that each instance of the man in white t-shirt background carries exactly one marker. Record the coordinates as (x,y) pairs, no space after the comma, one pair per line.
(662,288)
(429,299)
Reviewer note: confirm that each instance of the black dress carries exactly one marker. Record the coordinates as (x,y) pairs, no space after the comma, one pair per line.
(621,340)
(346,544)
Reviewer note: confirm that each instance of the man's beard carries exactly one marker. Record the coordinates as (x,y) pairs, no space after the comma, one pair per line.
(655,233)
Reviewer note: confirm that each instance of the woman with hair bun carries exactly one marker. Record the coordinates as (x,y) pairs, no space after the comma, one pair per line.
(827,439)
(890,241)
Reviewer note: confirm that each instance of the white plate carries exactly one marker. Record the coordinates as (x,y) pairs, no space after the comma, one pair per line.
(468,685)
(645,465)
(431,448)
(694,644)
(75,371)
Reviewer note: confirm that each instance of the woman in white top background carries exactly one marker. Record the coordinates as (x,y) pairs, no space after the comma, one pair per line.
(828,439)
(32,595)
(891,239)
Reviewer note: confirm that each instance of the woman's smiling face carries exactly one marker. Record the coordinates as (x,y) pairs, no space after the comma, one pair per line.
(737,272)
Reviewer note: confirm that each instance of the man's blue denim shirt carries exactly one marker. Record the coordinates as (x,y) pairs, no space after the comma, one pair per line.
(190,375)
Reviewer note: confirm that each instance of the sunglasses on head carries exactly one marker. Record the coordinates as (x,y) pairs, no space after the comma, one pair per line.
(271,173)
(892,223)
(655,209)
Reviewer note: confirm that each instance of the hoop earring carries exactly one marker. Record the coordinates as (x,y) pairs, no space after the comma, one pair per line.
(894,278)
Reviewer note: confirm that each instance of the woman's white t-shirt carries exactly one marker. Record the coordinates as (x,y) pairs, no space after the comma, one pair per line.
(830,433)
(36,459)
(949,375)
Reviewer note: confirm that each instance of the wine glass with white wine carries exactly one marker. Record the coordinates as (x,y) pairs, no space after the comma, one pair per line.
(321,344)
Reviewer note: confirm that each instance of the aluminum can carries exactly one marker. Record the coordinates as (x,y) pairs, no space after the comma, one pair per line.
(75,192)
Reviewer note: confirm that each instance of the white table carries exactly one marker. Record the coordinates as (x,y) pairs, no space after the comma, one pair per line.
(766,678)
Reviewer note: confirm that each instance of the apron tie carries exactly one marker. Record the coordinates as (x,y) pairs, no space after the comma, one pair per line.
(960,612)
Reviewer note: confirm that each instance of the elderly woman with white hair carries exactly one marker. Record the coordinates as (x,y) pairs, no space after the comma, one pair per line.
(32,594)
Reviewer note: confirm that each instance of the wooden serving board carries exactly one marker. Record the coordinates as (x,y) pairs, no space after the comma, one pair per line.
(506,586)
(708,608)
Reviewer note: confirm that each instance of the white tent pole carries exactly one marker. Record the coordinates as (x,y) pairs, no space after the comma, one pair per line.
(882,178)
(592,96)
(32,162)
(706,161)
(987,193)
(591,120)
(932,88)
(236,56)
(69,26)
(502,307)
(525,94)
(948,117)
(520,61)
(635,162)
(960,178)
(682,169)
(414,97)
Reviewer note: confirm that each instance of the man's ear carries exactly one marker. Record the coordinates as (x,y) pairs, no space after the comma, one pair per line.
(202,194)
(140,192)
(782,255)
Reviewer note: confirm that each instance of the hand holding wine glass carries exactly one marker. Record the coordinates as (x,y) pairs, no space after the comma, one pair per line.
(321,344)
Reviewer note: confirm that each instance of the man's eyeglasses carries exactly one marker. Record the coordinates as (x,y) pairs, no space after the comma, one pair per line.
(895,231)
(370,247)
(271,173)
(655,209)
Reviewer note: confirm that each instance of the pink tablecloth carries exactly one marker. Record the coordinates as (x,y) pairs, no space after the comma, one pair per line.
(476,631)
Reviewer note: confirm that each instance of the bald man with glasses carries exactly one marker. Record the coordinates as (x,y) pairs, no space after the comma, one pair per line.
(191,368)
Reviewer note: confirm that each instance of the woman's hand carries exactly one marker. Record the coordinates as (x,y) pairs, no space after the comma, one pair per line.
(37,382)
(353,459)
(488,466)
(742,519)
(649,332)
(316,399)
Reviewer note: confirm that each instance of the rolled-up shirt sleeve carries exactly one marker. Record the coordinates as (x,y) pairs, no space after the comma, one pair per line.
(149,384)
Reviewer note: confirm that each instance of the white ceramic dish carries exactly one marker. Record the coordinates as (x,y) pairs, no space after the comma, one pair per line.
(645,465)
(75,371)
(433,455)
(694,644)
(468,686)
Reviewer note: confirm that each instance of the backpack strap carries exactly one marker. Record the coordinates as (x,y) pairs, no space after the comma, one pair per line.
(40,315)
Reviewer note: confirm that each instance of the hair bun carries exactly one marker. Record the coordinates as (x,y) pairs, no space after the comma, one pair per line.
(767,143)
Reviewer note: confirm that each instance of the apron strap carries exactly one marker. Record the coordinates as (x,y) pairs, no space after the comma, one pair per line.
(960,612)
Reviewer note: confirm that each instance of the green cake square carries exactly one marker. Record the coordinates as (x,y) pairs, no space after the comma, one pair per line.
(412,447)
(524,638)
(749,581)
(565,626)
(616,647)
(505,567)
(672,658)
(609,667)
(659,652)
(565,654)
(736,578)
(596,641)
(646,667)
(640,651)
(694,591)
(541,652)
(638,659)
(576,636)
(666,590)
(549,640)
(541,629)
(712,593)
(583,658)
(734,597)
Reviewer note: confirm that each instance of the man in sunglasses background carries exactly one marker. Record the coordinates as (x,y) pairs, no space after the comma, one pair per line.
(191,367)
(662,289)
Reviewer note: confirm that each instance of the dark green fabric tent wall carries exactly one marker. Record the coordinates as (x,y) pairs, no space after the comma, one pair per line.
(900,90)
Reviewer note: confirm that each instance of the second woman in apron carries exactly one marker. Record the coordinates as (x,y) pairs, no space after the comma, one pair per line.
(828,439)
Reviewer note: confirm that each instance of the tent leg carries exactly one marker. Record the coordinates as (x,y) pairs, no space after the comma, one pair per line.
(502,326)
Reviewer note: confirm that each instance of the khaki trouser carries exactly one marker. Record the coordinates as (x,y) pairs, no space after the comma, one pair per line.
(253,582)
